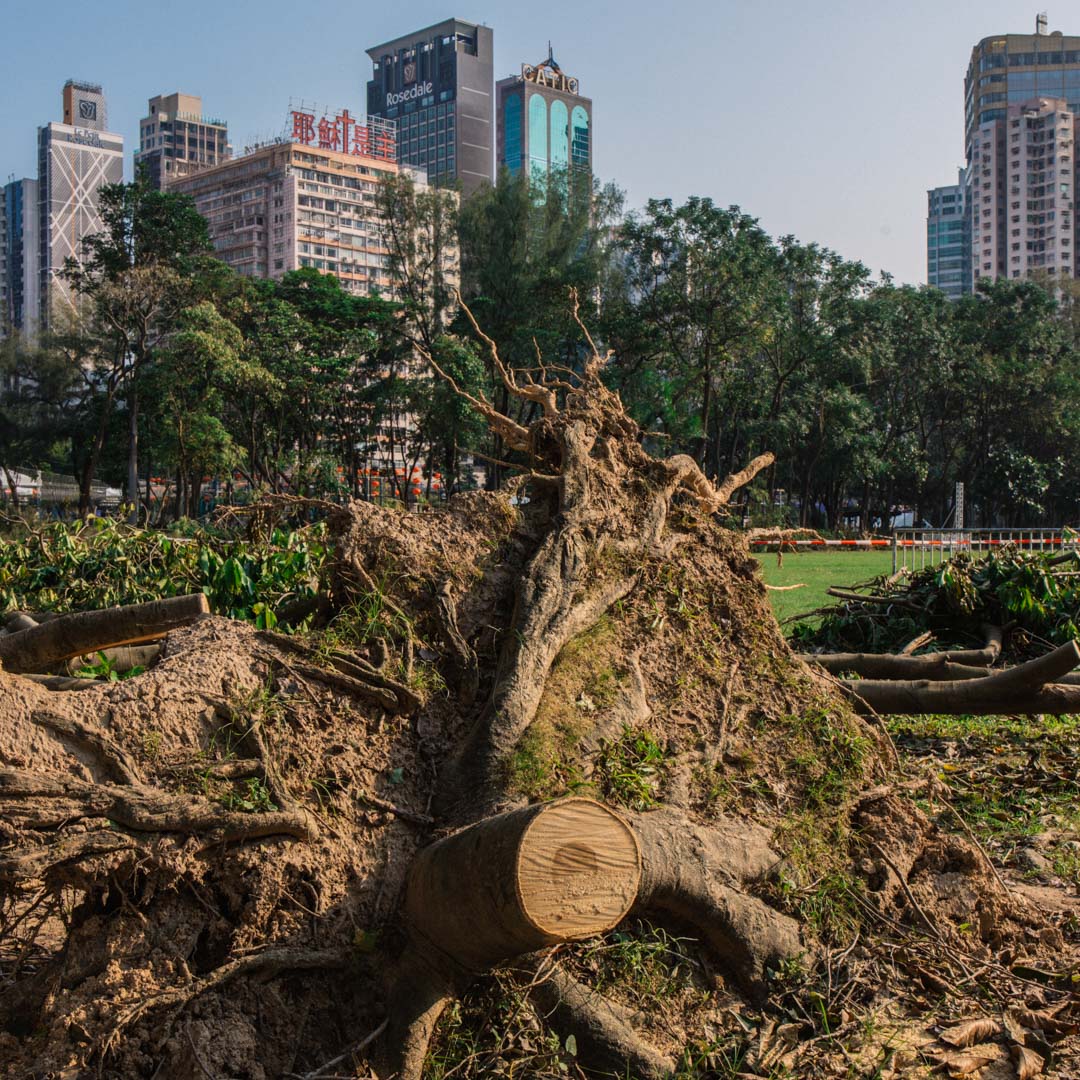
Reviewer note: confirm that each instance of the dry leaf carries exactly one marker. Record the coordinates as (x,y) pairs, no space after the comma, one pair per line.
(1013,1028)
(970,1032)
(1028,1063)
(966,1062)
(1045,1021)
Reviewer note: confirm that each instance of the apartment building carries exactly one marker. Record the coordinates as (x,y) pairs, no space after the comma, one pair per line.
(1021,97)
(176,139)
(1022,192)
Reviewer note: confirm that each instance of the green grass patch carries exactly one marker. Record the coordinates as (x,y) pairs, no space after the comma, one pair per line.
(1015,780)
(639,960)
(630,769)
(817,570)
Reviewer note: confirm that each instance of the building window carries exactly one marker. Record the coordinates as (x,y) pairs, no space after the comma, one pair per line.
(579,137)
(538,134)
(560,135)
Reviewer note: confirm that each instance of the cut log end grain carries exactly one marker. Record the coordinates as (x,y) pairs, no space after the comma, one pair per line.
(523,880)
(578,869)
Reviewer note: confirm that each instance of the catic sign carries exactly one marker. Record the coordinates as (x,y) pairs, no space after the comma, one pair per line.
(421,89)
(547,75)
(344,134)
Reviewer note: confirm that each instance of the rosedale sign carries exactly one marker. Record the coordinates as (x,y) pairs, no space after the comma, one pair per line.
(549,75)
(417,90)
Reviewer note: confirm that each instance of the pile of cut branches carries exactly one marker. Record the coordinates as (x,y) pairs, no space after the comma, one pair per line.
(1037,596)
(102,562)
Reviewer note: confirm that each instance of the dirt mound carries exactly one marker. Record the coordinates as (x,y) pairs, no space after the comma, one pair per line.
(137,912)
(267,855)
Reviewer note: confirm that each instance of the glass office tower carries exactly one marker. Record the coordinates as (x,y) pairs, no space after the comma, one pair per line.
(544,122)
(948,246)
(436,85)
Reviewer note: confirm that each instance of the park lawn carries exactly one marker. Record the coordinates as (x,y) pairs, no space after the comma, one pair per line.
(817,570)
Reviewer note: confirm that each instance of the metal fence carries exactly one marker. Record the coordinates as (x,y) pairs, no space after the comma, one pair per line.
(46,490)
(915,549)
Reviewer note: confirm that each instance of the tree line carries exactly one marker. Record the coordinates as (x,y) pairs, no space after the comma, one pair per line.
(876,398)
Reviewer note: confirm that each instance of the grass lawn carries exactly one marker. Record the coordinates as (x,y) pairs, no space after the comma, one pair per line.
(817,570)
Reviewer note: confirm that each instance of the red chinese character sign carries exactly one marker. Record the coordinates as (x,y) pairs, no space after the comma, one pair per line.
(375,139)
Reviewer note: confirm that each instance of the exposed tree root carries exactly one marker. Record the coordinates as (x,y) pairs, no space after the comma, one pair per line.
(697,874)
(490,594)
(602,1029)
(264,965)
(37,802)
(104,749)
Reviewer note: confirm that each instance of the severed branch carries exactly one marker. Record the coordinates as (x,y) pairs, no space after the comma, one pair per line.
(39,647)
(935,668)
(1026,688)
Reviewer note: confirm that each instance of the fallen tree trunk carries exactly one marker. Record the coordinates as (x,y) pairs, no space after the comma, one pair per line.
(1026,688)
(935,668)
(40,647)
(120,659)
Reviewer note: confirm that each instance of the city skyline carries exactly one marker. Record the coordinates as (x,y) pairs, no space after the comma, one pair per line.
(703,100)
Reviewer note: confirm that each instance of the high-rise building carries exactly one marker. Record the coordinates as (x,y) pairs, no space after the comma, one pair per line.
(176,140)
(5,321)
(19,257)
(436,85)
(948,246)
(74,159)
(544,123)
(1020,95)
(304,203)
(1022,219)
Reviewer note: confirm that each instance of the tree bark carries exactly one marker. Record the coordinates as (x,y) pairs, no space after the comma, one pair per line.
(88,631)
(133,454)
(1027,688)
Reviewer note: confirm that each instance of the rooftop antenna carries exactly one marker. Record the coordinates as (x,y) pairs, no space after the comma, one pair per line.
(1041,24)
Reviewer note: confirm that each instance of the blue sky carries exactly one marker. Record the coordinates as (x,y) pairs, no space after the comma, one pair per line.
(827,120)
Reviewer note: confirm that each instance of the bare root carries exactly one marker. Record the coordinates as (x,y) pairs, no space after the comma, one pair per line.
(602,1029)
(697,874)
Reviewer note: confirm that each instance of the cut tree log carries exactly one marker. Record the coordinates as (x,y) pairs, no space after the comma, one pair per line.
(39,648)
(1025,689)
(935,667)
(524,880)
(502,888)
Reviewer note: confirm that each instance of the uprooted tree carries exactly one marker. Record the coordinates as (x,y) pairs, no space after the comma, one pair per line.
(270,853)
